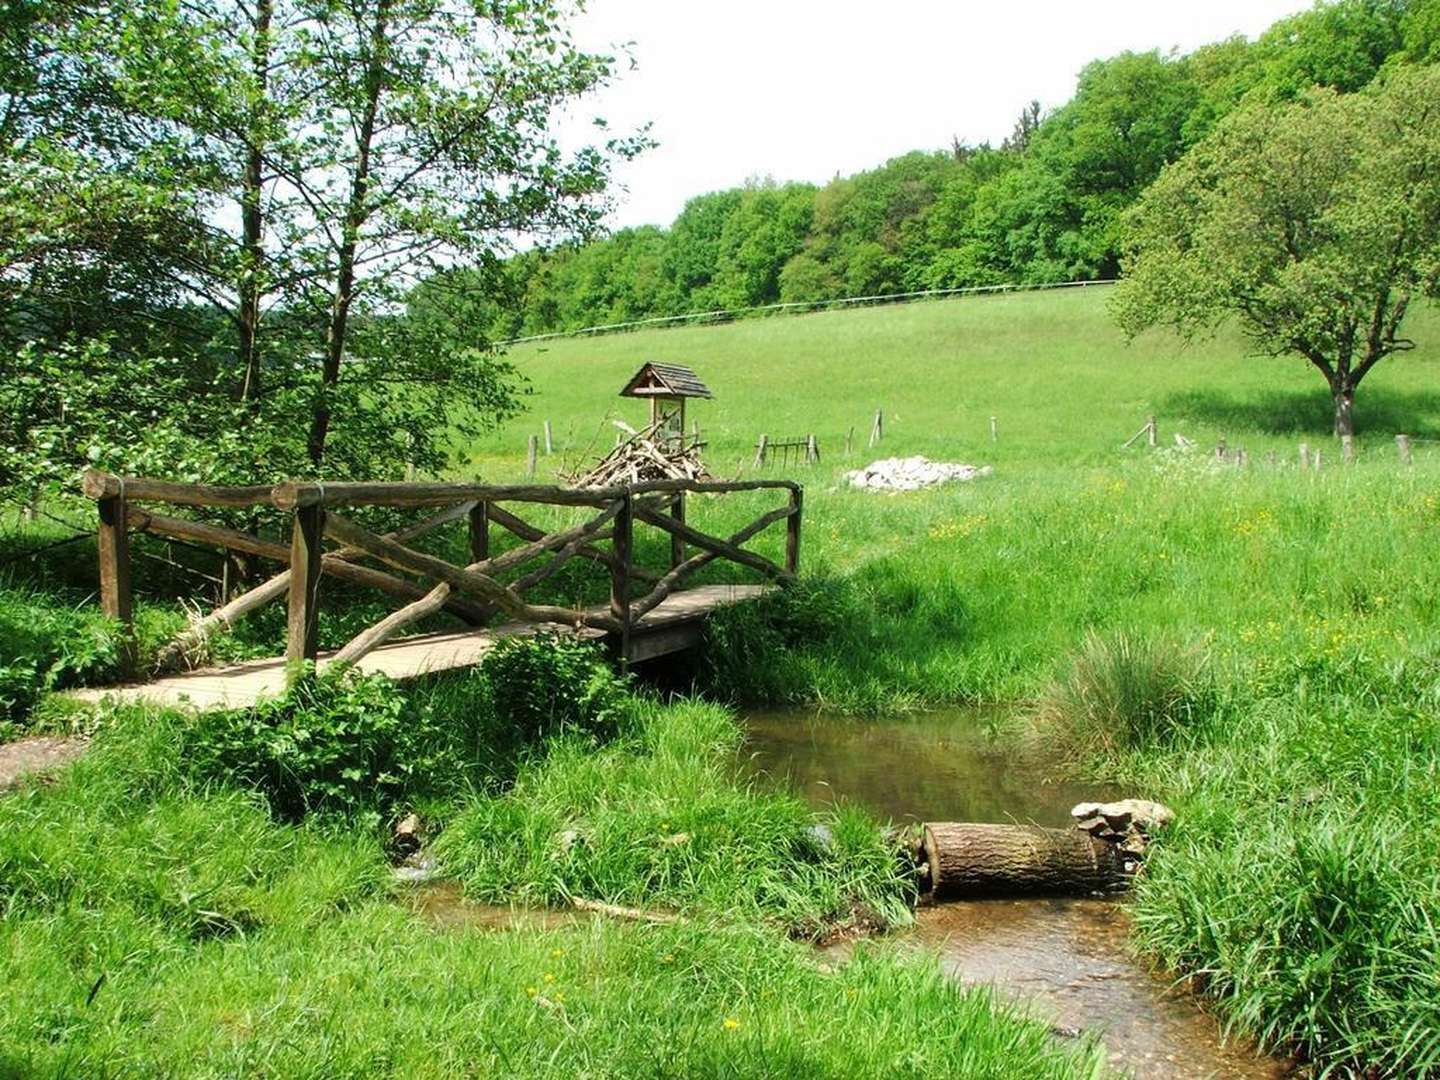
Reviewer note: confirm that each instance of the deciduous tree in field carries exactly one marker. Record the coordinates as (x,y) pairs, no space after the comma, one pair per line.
(1313,225)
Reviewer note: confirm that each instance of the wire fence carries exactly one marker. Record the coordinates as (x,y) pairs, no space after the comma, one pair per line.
(799,306)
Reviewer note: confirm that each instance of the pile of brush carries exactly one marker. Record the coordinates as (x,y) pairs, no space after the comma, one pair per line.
(651,453)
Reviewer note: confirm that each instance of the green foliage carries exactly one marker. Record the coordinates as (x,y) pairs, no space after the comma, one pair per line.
(1125,692)
(46,646)
(1300,874)
(1314,225)
(1047,205)
(660,819)
(350,746)
(543,686)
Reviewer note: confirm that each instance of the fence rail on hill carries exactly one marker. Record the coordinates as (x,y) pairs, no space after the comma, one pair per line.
(474,593)
(800,306)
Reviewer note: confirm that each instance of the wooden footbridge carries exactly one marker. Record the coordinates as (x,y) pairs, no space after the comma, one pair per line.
(487,594)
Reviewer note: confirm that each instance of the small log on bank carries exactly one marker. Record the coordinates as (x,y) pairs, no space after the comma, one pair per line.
(966,859)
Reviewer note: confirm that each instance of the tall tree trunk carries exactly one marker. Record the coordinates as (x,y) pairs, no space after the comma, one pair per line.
(252,222)
(1343,391)
(355,215)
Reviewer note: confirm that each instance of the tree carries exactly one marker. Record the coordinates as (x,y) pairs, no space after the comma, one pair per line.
(280,173)
(1313,225)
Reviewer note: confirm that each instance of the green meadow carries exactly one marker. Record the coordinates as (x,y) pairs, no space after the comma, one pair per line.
(1256,646)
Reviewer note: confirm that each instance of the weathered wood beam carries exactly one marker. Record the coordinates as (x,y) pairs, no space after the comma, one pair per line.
(338,564)
(97,484)
(116,600)
(306,550)
(523,529)
(667,583)
(622,546)
(792,532)
(466,581)
(222,618)
(290,495)
(714,544)
(372,637)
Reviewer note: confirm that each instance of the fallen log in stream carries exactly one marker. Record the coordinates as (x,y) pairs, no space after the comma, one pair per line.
(956,860)
(965,859)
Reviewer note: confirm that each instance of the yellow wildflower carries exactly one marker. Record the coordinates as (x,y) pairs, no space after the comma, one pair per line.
(731,1023)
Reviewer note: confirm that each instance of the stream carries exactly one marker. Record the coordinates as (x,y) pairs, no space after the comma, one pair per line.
(1065,958)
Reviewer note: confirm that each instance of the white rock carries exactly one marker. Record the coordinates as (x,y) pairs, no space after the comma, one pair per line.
(911,474)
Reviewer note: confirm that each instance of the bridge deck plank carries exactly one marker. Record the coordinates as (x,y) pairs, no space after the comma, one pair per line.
(243,685)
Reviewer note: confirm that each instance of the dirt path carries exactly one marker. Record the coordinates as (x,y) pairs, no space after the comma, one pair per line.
(36,754)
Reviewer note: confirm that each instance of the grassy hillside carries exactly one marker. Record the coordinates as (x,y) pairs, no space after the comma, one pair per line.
(1065,386)
(1257,647)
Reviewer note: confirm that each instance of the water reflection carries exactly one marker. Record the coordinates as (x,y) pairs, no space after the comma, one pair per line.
(939,767)
(1067,959)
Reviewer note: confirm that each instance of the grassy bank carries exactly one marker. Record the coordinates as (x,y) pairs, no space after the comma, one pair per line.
(1300,883)
(162,917)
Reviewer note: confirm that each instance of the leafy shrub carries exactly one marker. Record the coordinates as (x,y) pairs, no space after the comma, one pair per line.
(348,745)
(46,646)
(546,685)
(360,747)
(1122,692)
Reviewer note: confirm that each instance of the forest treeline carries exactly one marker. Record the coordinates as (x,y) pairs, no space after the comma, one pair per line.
(1045,205)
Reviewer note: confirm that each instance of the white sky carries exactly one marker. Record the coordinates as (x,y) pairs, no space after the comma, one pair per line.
(805,89)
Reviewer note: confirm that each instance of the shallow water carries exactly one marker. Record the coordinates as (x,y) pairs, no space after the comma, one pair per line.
(1065,958)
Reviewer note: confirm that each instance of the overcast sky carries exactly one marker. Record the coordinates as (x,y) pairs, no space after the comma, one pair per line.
(805,89)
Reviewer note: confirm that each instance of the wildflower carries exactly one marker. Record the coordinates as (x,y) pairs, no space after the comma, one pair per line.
(731,1023)
(549,978)
(557,953)
(530,991)
(668,958)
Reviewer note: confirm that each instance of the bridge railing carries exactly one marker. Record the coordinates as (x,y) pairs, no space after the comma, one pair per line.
(475,592)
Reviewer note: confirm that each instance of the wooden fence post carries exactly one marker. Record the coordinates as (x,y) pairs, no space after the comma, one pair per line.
(677,542)
(621,546)
(1347,448)
(760,450)
(1304,455)
(307,534)
(1402,448)
(1153,432)
(792,530)
(549,441)
(1220,449)
(850,441)
(531,449)
(115,595)
(1240,458)
(877,429)
(480,531)
(1315,459)
(812,451)
(994,430)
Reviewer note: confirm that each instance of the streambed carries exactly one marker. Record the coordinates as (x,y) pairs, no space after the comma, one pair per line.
(1067,958)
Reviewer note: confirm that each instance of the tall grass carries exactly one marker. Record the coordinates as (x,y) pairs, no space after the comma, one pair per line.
(1124,692)
(659,818)
(157,924)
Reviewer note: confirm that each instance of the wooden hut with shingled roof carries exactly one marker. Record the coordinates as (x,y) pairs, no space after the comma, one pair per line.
(666,386)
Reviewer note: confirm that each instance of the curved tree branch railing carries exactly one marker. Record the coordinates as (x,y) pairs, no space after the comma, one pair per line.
(427,584)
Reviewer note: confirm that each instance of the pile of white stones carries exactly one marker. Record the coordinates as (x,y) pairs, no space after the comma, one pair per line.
(911,474)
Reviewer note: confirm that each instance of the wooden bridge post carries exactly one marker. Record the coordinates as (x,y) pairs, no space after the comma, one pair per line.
(620,573)
(792,530)
(306,547)
(480,531)
(677,542)
(115,595)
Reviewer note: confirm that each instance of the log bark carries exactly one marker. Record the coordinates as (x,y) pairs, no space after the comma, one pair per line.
(972,860)
(714,544)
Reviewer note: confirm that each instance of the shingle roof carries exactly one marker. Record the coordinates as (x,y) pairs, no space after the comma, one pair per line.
(665,380)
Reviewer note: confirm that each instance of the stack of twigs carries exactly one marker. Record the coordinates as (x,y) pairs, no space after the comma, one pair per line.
(648,454)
